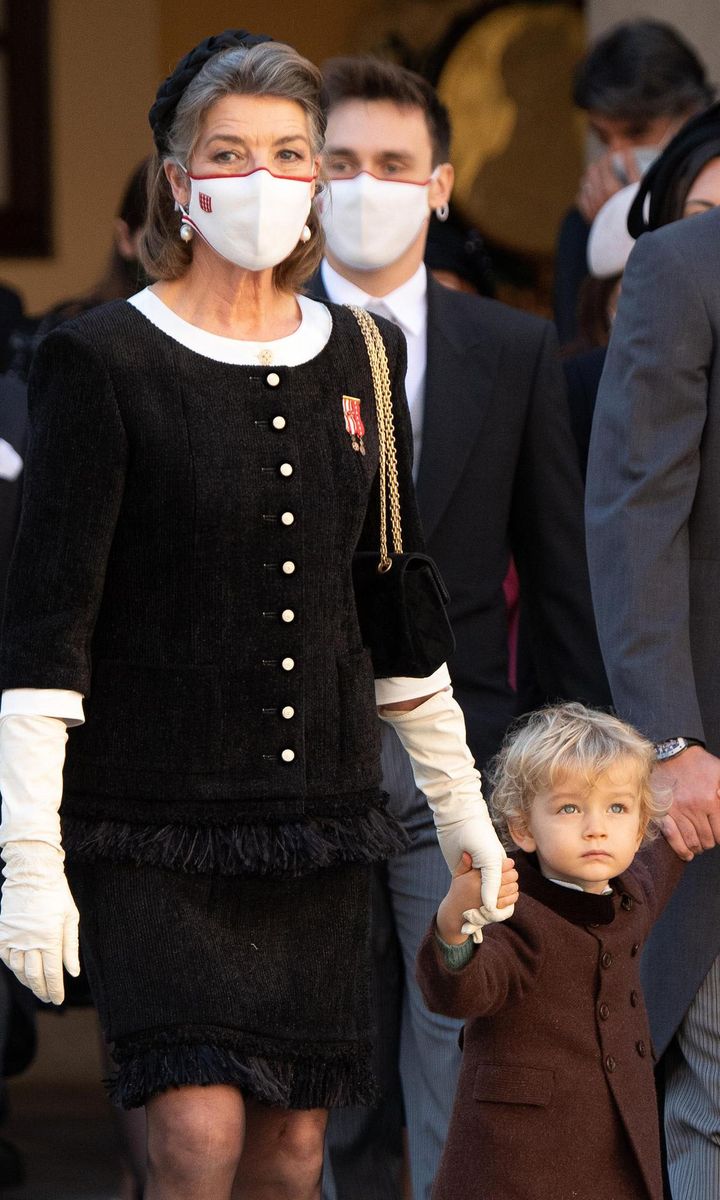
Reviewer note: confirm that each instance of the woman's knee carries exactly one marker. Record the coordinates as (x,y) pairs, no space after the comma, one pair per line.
(302,1140)
(195,1131)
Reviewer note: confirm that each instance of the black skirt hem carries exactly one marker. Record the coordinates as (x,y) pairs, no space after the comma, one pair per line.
(291,848)
(326,1078)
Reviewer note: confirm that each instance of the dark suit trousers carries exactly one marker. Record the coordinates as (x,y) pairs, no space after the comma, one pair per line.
(417,1055)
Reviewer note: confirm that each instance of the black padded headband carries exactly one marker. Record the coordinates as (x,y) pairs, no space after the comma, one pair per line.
(170,92)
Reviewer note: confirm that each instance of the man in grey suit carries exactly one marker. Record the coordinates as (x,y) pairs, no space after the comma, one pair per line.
(653,527)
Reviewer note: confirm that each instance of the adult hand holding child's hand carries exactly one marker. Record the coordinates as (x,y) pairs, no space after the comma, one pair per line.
(693,822)
(463,913)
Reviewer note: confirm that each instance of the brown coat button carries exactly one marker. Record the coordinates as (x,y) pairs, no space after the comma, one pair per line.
(604,1011)
(610,1063)
(641,1049)
(634,999)
(606,959)
(635,949)
(626,903)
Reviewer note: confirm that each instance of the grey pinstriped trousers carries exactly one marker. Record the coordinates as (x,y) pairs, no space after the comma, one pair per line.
(692,1097)
(417,1057)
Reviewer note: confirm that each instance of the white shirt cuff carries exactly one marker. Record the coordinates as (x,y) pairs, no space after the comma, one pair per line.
(43,702)
(403,687)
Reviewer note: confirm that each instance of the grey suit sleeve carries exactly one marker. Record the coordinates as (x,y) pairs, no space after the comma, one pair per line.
(642,477)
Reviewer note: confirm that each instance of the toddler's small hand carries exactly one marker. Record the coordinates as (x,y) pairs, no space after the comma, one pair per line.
(477,918)
(509,891)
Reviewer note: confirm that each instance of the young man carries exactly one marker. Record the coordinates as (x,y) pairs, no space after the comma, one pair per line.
(496,474)
(638,85)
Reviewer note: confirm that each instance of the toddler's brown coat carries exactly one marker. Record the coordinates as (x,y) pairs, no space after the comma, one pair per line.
(556,1098)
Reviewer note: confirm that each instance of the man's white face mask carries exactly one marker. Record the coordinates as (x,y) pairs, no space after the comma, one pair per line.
(254,220)
(369,222)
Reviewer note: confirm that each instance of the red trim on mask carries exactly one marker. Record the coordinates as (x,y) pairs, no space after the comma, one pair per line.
(245,174)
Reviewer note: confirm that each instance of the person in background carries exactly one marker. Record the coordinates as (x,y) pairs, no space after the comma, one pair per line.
(682,182)
(653,521)
(638,84)
(496,475)
(12,321)
(457,257)
(123,275)
(608,249)
(557,1095)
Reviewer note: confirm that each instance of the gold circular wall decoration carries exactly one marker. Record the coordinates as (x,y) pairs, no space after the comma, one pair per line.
(518,142)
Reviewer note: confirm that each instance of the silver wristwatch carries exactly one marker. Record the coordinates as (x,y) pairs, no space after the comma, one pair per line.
(673,746)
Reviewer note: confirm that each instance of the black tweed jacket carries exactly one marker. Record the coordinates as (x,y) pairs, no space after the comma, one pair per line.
(184,560)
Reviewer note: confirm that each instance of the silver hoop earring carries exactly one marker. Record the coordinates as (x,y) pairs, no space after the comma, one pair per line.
(442,212)
(306,234)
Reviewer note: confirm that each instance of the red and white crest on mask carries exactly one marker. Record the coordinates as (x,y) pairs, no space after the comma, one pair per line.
(205,202)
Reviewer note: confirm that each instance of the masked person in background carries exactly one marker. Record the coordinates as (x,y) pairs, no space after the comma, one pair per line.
(638,84)
(181,614)
(123,275)
(496,474)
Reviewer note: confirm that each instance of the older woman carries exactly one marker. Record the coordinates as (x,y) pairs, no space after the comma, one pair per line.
(194,497)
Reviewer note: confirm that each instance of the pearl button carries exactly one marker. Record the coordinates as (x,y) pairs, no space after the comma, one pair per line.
(288,664)
(288,567)
(286,470)
(273,379)
(279,422)
(287,712)
(288,755)
(287,518)
(287,615)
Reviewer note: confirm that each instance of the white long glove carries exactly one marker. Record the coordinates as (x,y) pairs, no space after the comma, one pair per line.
(433,735)
(39,920)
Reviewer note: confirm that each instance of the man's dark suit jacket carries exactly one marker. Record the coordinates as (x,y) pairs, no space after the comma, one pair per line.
(582,376)
(498,474)
(653,512)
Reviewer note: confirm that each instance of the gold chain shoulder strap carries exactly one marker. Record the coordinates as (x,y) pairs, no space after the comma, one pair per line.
(387,470)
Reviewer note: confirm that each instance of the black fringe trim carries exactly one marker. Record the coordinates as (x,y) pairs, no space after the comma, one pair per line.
(294,848)
(295,1083)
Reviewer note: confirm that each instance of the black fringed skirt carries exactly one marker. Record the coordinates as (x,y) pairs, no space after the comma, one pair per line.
(258,982)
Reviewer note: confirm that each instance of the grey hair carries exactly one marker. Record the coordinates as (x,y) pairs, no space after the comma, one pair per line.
(269,69)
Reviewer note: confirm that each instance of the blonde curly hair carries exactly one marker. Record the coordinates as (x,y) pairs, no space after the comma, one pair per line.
(568,737)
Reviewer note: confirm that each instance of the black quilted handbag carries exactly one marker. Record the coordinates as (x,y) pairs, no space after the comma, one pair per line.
(401,598)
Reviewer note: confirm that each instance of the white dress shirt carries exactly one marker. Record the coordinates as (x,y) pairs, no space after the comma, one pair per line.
(407,307)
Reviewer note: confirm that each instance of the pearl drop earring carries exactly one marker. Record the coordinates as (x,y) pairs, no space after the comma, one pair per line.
(306,234)
(186,231)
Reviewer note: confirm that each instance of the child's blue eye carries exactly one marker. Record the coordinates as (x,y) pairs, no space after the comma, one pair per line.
(617,808)
(569,808)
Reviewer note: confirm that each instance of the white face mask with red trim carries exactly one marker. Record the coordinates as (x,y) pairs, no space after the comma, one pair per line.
(369,222)
(254,220)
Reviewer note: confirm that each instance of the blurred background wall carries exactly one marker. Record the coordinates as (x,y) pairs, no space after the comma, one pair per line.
(106,59)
